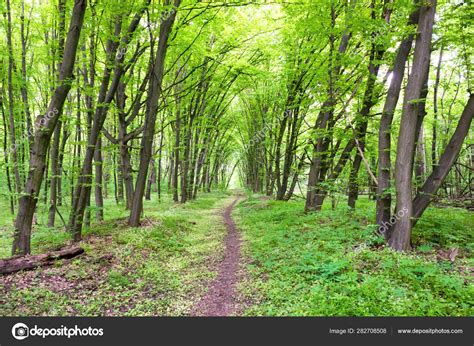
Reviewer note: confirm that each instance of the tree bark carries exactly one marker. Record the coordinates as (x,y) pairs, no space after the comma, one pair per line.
(151,179)
(125,174)
(5,156)
(160,152)
(62,148)
(401,234)
(156,80)
(361,130)
(106,95)
(446,161)
(420,159)
(99,179)
(435,110)
(46,126)
(24,89)
(384,199)
(54,155)
(11,102)
(18,263)
(314,197)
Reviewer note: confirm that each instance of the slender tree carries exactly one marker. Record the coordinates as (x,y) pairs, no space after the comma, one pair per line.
(154,93)
(45,126)
(401,234)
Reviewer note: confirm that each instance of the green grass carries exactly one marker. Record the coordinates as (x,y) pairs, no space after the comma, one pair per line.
(161,268)
(331,263)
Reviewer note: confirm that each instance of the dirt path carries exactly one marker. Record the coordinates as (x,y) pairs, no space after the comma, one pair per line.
(220,299)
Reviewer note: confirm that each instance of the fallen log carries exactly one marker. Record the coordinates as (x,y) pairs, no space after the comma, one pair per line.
(17,263)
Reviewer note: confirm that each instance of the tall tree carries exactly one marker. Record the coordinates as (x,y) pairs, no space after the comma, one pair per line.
(384,199)
(106,95)
(401,234)
(154,93)
(45,126)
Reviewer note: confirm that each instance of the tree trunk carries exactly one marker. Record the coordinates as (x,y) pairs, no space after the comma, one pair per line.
(361,130)
(126,166)
(193,164)
(420,159)
(99,179)
(294,181)
(106,95)
(11,104)
(5,156)
(289,151)
(177,141)
(23,88)
(62,148)
(54,175)
(125,173)
(151,180)
(314,197)
(156,79)
(55,151)
(435,111)
(118,180)
(401,234)
(384,199)
(446,161)
(18,263)
(186,160)
(46,126)
(160,152)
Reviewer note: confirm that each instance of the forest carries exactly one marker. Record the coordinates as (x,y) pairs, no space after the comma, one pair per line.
(242,157)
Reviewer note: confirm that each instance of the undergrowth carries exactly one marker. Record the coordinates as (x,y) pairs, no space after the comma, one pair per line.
(161,268)
(332,263)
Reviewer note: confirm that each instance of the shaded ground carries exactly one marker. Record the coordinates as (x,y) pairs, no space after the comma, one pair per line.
(162,268)
(221,298)
(333,263)
(191,260)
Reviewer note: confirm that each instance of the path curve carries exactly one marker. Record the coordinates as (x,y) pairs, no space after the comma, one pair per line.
(220,299)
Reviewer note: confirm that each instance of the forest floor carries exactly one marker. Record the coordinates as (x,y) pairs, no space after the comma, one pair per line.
(164,267)
(216,256)
(221,299)
(332,263)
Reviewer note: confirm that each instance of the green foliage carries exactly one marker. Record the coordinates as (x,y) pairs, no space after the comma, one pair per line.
(118,279)
(232,74)
(158,269)
(331,263)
